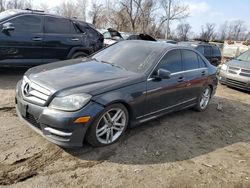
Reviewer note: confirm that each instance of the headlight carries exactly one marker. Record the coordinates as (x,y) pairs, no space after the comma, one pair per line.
(70,102)
(224,67)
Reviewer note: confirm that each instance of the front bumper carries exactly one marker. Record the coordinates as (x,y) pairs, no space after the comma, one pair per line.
(234,80)
(56,126)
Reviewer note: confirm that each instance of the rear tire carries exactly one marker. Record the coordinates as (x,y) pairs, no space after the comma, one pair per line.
(203,99)
(77,55)
(109,126)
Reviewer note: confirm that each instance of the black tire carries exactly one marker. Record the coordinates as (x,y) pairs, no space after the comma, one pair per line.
(91,135)
(198,106)
(77,55)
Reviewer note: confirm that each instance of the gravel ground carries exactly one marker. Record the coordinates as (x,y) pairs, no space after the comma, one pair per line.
(184,149)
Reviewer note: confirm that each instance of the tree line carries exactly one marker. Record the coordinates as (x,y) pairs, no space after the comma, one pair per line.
(154,17)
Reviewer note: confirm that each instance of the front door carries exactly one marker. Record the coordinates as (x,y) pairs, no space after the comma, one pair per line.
(22,46)
(166,94)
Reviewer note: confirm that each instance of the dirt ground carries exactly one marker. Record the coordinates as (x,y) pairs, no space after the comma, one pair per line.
(184,149)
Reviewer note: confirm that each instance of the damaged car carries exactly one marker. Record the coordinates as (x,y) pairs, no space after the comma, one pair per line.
(31,37)
(96,99)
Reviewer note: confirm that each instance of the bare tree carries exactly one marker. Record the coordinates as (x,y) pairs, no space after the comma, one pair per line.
(2,5)
(82,6)
(68,9)
(96,13)
(183,31)
(18,4)
(44,7)
(208,32)
(223,31)
(132,9)
(172,10)
(236,30)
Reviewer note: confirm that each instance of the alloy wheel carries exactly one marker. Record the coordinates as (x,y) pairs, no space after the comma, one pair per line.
(205,98)
(111,126)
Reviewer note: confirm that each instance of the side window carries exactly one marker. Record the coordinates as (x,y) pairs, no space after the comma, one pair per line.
(172,61)
(216,51)
(91,33)
(190,60)
(202,64)
(201,49)
(208,50)
(57,25)
(28,24)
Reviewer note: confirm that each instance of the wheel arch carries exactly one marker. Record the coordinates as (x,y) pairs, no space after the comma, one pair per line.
(78,49)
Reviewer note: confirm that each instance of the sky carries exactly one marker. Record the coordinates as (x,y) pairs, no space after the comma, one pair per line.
(201,11)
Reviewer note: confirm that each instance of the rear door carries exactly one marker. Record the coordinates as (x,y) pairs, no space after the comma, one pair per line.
(24,45)
(208,53)
(59,38)
(196,73)
(165,94)
(216,59)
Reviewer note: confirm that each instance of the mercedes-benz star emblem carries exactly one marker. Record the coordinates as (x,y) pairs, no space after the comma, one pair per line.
(26,89)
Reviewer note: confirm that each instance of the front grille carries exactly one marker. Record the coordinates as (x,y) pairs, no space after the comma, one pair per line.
(245,72)
(32,120)
(235,82)
(233,70)
(239,71)
(33,92)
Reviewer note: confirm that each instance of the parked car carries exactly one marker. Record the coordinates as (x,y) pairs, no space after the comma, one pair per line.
(111,36)
(168,41)
(236,73)
(121,86)
(141,36)
(30,38)
(210,51)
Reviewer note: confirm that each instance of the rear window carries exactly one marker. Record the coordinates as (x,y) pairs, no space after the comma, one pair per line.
(216,51)
(207,51)
(190,60)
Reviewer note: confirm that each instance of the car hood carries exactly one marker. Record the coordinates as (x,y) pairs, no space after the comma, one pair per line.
(77,76)
(240,64)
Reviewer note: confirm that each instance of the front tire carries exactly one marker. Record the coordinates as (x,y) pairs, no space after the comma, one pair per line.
(204,99)
(109,126)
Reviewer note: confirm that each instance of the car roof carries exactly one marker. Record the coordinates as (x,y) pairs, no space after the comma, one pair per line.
(162,45)
(29,11)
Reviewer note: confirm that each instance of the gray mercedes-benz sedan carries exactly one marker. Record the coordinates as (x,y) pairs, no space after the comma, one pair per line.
(123,85)
(236,73)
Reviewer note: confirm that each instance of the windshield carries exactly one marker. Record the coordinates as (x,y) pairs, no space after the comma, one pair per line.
(6,14)
(131,55)
(244,57)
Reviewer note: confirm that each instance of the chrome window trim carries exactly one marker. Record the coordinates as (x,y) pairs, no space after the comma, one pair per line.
(169,107)
(181,72)
(175,73)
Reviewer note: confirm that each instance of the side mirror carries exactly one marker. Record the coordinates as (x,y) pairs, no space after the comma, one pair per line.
(8,26)
(163,74)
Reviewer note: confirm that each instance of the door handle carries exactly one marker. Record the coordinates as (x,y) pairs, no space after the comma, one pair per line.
(37,39)
(203,73)
(75,39)
(181,79)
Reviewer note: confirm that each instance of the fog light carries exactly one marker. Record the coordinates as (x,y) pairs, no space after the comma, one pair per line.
(82,119)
